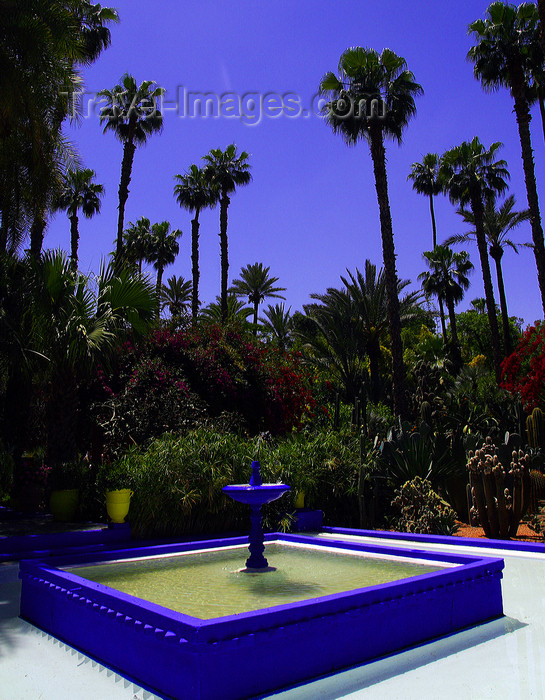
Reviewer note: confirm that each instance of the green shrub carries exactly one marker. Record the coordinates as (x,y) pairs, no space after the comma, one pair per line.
(177,480)
(422,511)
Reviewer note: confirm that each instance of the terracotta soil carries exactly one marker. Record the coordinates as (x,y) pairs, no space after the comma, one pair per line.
(524,533)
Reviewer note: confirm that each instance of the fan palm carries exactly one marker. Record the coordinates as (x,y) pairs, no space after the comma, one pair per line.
(77,324)
(372,98)
(277,324)
(194,193)
(176,294)
(131,113)
(369,293)
(225,171)
(497,225)
(79,192)
(447,278)
(472,175)
(503,58)
(163,250)
(256,284)
(136,242)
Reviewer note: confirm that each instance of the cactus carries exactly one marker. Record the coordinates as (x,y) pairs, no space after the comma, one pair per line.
(426,412)
(537,489)
(500,490)
(535,428)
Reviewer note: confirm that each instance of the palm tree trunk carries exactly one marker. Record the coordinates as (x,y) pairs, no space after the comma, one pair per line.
(478,211)
(456,352)
(195,265)
(224,253)
(37,233)
(378,155)
(496,256)
(522,112)
(541,103)
(373,352)
(74,239)
(158,287)
(433,226)
(256,311)
(434,241)
(126,169)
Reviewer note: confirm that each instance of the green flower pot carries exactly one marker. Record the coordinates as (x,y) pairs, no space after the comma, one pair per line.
(63,504)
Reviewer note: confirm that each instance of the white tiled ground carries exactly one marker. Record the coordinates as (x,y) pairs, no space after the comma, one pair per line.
(504,658)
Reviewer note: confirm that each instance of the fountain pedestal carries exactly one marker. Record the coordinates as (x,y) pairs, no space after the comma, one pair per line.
(256,494)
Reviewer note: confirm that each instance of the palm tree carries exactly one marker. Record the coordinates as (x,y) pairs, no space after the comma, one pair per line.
(163,250)
(131,113)
(176,294)
(426,181)
(368,292)
(194,193)
(471,175)
(76,325)
(225,171)
(277,324)
(497,224)
(256,284)
(372,98)
(237,311)
(447,279)
(503,58)
(333,340)
(79,192)
(137,242)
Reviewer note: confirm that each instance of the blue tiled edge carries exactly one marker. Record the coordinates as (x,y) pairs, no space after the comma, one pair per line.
(513,545)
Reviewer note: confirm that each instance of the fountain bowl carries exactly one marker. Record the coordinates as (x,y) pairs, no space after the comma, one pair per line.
(255,495)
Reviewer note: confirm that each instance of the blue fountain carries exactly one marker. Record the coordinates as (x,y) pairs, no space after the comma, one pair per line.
(256,494)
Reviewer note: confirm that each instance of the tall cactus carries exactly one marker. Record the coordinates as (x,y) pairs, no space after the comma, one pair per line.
(500,491)
(535,428)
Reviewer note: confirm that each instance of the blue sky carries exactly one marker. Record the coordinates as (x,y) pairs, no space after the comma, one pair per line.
(311,209)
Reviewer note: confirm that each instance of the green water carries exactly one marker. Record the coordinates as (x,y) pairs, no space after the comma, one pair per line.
(206,585)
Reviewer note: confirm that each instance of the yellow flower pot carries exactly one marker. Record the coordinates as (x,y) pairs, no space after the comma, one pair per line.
(300,499)
(117,504)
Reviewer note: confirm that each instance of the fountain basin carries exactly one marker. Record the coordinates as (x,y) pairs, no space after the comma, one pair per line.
(261,650)
(255,495)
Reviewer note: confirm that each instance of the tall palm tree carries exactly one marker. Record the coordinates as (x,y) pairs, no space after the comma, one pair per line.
(426,181)
(372,98)
(131,113)
(277,324)
(164,248)
(79,192)
(503,58)
(137,242)
(176,294)
(195,193)
(225,171)
(497,225)
(369,294)
(256,284)
(447,278)
(42,45)
(472,175)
